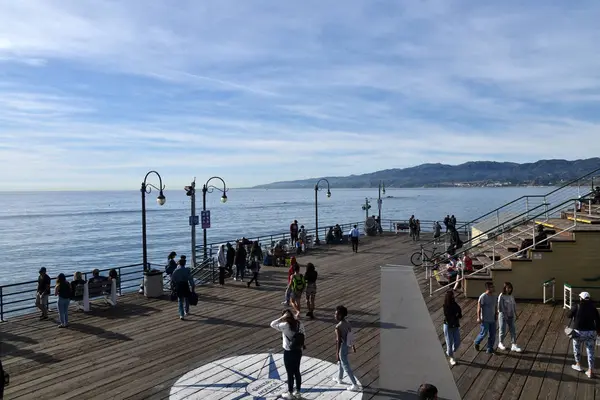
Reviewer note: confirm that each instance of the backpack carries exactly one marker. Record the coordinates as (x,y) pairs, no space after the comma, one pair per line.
(297,341)
(298,283)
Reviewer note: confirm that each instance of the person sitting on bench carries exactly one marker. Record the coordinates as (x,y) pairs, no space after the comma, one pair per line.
(541,235)
(96,277)
(337,233)
(329,238)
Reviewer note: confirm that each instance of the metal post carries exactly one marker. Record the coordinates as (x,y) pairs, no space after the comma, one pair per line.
(144,244)
(527,206)
(193,221)
(1,305)
(317,241)
(204,190)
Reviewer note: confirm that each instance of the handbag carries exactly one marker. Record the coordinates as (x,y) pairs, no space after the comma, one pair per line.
(193,299)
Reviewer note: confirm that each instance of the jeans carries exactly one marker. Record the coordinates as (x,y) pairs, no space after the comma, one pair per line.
(181,301)
(288,294)
(503,320)
(41,302)
(291,360)
(452,336)
(487,329)
(354,241)
(240,270)
(63,310)
(588,338)
(344,364)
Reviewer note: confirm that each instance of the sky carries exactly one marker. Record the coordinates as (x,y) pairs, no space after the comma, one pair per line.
(93,94)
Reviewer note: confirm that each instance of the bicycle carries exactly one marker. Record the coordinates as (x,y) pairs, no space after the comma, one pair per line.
(424,255)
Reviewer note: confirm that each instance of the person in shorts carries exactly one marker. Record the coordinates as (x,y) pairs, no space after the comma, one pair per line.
(311,288)
(297,286)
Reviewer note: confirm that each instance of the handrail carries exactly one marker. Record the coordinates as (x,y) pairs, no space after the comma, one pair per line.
(494,262)
(549,283)
(568,184)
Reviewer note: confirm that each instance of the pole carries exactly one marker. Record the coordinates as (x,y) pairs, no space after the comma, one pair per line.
(379,201)
(317,241)
(204,190)
(193,214)
(144,244)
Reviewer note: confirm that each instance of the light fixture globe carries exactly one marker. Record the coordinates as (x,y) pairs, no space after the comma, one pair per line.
(383,190)
(161,199)
(224,198)
(328,193)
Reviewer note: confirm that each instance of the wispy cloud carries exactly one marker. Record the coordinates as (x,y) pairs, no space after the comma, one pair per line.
(92,94)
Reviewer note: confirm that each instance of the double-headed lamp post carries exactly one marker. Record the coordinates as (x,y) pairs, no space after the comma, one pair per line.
(208,188)
(161,199)
(317,241)
(379,200)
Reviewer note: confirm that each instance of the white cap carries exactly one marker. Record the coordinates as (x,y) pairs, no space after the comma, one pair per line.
(584,295)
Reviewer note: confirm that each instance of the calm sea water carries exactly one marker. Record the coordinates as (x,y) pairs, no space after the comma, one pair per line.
(69,231)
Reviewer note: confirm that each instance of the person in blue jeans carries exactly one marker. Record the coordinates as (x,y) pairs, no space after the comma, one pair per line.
(452,316)
(344,341)
(63,291)
(183,282)
(487,315)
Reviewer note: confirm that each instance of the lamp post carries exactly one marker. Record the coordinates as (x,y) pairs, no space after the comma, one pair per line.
(317,241)
(366,207)
(379,201)
(147,189)
(207,188)
(191,191)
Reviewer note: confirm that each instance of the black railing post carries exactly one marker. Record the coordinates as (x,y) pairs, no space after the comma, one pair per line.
(1,305)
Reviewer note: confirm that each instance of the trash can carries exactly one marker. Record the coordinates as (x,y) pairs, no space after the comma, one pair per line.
(153,283)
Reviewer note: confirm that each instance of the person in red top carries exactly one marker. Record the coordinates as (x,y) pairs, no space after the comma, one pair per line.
(294,232)
(288,292)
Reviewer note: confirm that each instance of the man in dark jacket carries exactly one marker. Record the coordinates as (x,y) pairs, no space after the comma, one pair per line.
(585,321)
(230,258)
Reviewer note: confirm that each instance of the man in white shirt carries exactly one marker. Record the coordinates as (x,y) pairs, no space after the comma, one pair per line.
(354,234)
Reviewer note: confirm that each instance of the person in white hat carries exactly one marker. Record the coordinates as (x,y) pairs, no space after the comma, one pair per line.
(586,326)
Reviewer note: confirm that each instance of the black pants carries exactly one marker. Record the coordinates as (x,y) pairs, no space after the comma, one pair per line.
(354,244)
(240,271)
(254,278)
(291,360)
(221,275)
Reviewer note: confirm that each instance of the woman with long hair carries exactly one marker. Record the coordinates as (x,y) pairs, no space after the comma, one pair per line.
(344,341)
(452,316)
(311,276)
(507,314)
(256,255)
(292,332)
(63,291)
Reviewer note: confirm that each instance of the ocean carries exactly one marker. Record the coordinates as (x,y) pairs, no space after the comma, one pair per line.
(70,231)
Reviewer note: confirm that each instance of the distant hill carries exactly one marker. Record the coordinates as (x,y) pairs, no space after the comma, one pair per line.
(474,173)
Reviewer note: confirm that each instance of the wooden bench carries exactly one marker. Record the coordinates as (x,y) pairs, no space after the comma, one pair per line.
(104,289)
(401,226)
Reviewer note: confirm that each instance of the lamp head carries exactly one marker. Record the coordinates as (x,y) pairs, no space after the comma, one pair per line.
(161,199)
(383,188)
(328,193)
(224,198)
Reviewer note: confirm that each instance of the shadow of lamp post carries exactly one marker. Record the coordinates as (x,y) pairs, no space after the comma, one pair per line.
(317,241)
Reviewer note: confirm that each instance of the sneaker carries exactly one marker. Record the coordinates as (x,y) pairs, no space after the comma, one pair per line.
(515,348)
(577,367)
(297,395)
(489,351)
(588,373)
(43,317)
(235,279)
(353,388)
(287,396)
(338,381)
(452,361)
(501,346)
(181,318)
(476,345)
(286,303)
(61,326)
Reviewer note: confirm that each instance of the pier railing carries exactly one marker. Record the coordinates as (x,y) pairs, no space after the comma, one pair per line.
(19,298)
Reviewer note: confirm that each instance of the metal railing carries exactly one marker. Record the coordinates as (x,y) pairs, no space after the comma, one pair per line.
(19,298)
(493,241)
(549,285)
(568,293)
(523,204)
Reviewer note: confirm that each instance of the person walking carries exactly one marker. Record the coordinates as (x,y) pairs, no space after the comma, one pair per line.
(222,263)
(240,262)
(184,286)
(294,232)
(63,291)
(354,234)
(586,328)
(344,341)
(256,256)
(230,258)
(293,333)
(507,315)
(288,288)
(437,232)
(412,227)
(418,230)
(311,276)
(297,286)
(43,291)
(487,315)
(452,316)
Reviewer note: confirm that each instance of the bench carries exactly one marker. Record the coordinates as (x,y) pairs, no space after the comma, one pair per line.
(401,226)
(105,289)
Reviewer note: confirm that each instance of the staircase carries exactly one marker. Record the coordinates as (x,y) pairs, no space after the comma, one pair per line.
(570,252)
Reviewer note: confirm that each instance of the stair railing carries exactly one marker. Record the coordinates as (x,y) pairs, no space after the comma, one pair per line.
(486,268)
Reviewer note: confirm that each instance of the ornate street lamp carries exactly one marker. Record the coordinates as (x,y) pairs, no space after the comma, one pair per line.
(161,199)
(317,241)
(379,200)
(207,188)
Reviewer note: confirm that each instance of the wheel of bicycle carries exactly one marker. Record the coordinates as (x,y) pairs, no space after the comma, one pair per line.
(416,259)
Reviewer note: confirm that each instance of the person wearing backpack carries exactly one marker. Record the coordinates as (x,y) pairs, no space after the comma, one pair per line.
(297,286)
(292,332)
(344,341)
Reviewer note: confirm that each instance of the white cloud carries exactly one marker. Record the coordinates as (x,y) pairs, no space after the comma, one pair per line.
(267,90)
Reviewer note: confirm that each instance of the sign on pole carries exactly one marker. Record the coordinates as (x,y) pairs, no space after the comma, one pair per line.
(205,218)
(194,220)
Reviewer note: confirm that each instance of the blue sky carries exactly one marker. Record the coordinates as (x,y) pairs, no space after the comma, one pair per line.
(93,94)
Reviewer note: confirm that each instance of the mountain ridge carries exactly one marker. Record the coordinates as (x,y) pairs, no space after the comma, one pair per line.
(471,173)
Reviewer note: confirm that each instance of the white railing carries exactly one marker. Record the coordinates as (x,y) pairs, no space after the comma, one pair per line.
(567,296)
(549,285)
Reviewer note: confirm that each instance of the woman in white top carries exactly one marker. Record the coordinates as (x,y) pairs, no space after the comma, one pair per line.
(292,332)
(507,314)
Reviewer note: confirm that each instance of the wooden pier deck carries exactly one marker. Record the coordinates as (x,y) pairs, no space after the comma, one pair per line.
(139,349)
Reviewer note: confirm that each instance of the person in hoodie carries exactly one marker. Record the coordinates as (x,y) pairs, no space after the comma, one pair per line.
(222,263)
(452,316)
(240,262)
(507,314)
(230,258)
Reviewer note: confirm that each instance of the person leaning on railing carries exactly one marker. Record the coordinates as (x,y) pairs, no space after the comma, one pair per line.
(43,291)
